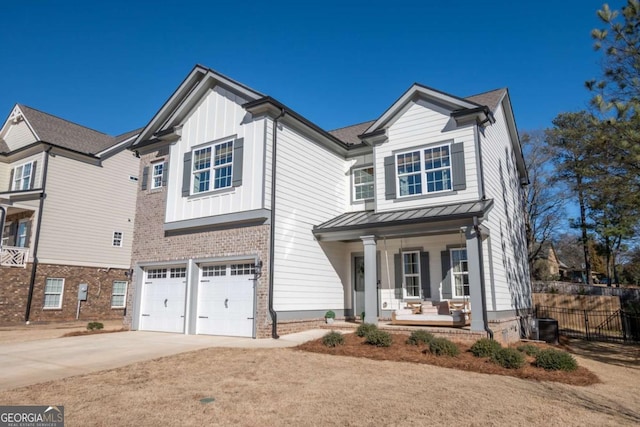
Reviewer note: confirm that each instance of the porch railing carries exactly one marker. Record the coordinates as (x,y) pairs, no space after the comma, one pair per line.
(11,256)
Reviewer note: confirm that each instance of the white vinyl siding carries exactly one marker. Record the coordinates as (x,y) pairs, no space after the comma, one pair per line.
(119,294)
(219,117)
(422,125)
(19,135)
(53,291)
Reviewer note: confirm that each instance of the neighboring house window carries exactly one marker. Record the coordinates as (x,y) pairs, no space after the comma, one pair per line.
(212,167)
(21,240)
(117,239)
(156,177)
(178,272)
(157,273)
(6,234)
(22,177)
(363,183)
(242,269)
(460,270)
(411,273)
(53,290)
(119,294)
(424,171)
(214,270)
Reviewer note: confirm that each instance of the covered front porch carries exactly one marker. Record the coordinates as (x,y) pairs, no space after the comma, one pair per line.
(17,236)
(414,258)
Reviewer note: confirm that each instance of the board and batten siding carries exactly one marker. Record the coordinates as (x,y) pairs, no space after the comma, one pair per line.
(19,135)
(505,221)
(85,204)
(310,190)
(219,115)
(422,124)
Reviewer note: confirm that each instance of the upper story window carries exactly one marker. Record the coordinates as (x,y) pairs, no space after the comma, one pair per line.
(212,167)
(363,183)
(460,272)
(22,177)
(157,175)
(117,239)
(424,171)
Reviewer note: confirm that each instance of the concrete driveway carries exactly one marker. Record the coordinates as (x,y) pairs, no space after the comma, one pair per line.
(32,362)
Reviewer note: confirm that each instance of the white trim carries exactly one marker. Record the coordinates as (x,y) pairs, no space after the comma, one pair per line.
(212,167)
(161,164)
(26,233)
(124,300)
(44,307)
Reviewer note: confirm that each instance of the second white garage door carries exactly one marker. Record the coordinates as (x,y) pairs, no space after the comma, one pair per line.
(226,300)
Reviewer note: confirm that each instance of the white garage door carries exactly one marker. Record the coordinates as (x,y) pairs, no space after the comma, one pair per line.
(163,299)
(225,300)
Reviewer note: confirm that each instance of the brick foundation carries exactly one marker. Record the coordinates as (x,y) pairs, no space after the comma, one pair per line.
(15,288)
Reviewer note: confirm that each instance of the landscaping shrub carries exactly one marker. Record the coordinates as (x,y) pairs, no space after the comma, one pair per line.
(485,347)
(443,347)
(333,339)
(378,338)
(365,328)
(420,337)
(509,358)
(94,326)
(555,360)
(529,349)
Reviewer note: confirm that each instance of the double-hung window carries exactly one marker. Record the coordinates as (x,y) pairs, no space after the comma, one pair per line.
(157,174)
(411,273)
(363,183)
(212,167)
(460,272)
(119,294)
(117,239)
(22,177)
(21,238)
(424,171)
(53,290)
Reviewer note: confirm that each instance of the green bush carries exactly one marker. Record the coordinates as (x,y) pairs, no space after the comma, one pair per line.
(378,338)
(333,339)
(529,349)
(420,337)
(509,358)
(94,326)
(555,360)
(485,347)
(330,314)
(443,347)
(365,328)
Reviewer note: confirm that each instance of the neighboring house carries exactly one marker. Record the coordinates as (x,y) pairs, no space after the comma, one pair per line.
(546,265)
(253,221)
(68,194)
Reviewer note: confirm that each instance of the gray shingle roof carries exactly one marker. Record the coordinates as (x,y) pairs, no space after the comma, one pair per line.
(367,219)
(349,134)
(66,134)
(491,99)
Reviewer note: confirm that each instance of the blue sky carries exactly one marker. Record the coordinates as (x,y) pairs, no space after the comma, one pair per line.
(111,65)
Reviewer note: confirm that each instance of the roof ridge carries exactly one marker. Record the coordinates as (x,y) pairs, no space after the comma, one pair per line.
(64,120)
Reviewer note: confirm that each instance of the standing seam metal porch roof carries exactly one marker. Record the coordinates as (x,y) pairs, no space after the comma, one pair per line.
(366,219)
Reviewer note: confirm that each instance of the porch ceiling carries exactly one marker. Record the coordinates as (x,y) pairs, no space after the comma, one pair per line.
(422,221)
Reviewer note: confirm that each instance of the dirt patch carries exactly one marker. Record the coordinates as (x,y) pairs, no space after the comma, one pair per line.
(400,351)
(41,331)
(94,332)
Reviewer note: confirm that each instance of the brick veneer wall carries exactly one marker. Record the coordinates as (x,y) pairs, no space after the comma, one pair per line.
(15,288)
(150,244)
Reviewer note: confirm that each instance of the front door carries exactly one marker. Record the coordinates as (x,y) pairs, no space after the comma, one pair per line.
(358,286)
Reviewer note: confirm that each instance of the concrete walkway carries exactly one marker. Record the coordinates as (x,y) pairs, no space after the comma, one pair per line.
(32,362)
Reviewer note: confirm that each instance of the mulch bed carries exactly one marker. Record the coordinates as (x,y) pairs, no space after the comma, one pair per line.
(96,331)
(400,351)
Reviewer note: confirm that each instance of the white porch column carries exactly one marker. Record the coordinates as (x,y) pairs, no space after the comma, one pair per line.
(370,280)
(475,275)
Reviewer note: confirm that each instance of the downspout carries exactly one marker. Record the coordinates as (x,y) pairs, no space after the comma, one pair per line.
(476,227)
(272,240)
(34,266)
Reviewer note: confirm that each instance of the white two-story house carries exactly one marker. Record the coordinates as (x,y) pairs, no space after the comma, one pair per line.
(253,221)
(67,206)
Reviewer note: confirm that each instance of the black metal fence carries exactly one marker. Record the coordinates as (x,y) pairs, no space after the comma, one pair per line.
(594,325)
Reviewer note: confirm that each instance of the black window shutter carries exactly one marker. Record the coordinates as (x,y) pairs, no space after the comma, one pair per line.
(390,177)
(446,275)
(425,281)
(238,149)
(165,174)
(457,166)
(397,266)
(11,179)
(186,174)
(33,174)
(145,178)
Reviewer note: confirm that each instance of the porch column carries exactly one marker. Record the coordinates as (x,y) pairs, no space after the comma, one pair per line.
(370,279)
(474,259)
